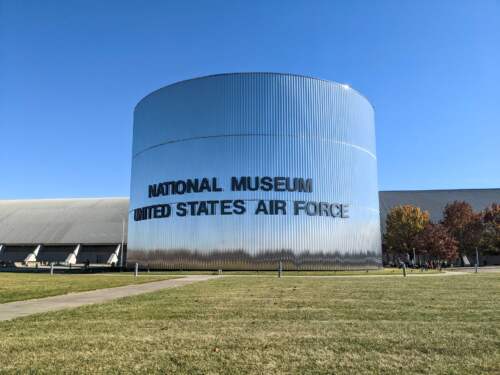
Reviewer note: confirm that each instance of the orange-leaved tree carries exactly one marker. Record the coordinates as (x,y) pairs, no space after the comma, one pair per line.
(463,224)
(436,243)
(490,235)
(402,225)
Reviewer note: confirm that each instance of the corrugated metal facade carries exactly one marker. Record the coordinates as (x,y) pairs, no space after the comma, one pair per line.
(256,125)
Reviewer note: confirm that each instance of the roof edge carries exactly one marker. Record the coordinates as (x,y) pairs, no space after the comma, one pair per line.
(252,72)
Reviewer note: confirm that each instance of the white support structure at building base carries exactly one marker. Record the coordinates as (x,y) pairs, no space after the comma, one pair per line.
(71,259)
(466,261)
(32,256)
(113,258)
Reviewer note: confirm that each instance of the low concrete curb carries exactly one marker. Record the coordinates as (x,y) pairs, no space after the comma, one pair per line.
(12,310)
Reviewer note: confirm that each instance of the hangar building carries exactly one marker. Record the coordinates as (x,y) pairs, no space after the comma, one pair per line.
(61,225)
(63,231)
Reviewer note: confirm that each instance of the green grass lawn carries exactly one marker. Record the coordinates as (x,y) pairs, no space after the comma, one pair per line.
(441,325)
(22,286)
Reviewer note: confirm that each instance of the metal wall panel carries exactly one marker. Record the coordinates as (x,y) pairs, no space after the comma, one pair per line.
(256,124)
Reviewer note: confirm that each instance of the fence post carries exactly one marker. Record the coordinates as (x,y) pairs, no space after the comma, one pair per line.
(136,270)
(51,269)
(477,260)
(404,270)
(280,269)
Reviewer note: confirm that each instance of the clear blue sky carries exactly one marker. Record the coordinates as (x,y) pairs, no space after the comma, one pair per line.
(71,73)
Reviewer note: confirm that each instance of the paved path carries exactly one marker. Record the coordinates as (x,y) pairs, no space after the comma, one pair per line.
(12,310)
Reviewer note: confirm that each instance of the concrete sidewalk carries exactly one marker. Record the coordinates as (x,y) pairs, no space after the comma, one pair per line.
(12,310)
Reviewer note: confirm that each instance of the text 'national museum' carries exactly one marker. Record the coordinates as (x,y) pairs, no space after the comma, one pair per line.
(232,171)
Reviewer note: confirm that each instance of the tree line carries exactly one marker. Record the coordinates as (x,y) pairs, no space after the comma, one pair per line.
(410,233)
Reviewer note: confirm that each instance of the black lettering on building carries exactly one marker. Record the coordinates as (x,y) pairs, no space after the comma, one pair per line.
(153,190)
(213,207)
(225,207)
(298,206)
(304,186)
(202,209)
(344,211)
(192,207)
(239,207)
(181,209)
(238,184)
(261,208)
(279,207)
(215,187)
(266,183)
(279,183)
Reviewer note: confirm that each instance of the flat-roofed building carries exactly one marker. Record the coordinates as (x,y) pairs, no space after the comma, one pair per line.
(434,201)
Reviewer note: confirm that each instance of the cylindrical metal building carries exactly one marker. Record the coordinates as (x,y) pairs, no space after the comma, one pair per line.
(244,170)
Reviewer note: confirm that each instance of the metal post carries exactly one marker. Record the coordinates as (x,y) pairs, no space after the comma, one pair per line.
(136,270)
(280,270)
(123,240)
(477,260)
(51,269)
(404,270)
(414,258)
